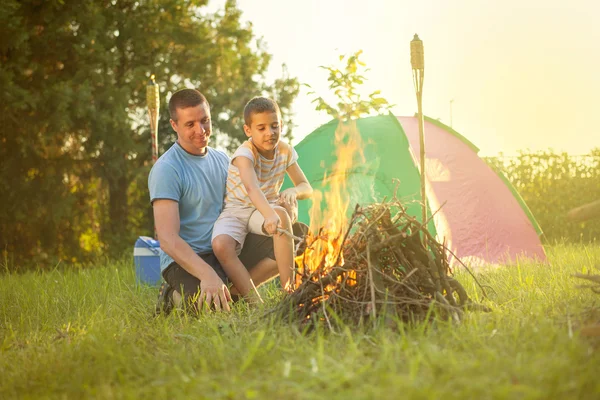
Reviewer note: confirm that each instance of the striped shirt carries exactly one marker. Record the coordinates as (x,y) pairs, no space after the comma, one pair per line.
(270,173)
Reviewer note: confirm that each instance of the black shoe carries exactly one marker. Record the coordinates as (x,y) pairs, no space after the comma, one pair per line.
(164,303)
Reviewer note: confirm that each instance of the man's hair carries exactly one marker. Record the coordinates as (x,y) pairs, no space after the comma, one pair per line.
(259,105)
(185,98)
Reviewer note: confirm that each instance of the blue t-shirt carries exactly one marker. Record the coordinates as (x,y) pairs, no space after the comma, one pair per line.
(197,183)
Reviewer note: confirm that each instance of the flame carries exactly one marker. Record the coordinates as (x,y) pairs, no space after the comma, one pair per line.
(325,248)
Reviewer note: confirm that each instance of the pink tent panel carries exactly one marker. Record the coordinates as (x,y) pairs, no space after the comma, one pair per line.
(481,220)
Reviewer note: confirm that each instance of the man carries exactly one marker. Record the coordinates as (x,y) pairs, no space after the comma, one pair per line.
(187,186)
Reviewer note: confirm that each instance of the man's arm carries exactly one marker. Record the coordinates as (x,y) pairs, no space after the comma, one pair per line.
(167,222)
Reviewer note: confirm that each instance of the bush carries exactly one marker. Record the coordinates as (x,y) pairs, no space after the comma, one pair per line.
(552,184)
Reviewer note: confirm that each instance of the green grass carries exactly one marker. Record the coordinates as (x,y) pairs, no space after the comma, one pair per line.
(90,333)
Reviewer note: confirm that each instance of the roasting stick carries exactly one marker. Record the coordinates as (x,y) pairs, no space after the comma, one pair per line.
(289,234)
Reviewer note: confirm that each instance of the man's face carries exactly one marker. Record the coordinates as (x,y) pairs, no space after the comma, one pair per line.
(193,127)
(265,131)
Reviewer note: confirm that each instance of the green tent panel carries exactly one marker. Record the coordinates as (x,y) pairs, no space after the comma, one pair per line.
(386,154)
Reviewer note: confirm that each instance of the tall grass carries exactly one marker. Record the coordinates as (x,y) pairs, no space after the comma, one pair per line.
(90,333)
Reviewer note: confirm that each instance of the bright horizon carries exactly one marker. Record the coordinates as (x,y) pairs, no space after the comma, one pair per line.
(523,75)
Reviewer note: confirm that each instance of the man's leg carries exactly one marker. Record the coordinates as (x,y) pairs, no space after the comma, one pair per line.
(264,271)
(182,286)
(259,258)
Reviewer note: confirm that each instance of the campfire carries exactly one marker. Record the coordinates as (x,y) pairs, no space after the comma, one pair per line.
(379,262)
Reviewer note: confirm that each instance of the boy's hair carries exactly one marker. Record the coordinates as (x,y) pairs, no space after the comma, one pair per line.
(185,98)
(259,105)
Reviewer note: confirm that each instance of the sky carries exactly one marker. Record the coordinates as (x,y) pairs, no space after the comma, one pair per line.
(509,75)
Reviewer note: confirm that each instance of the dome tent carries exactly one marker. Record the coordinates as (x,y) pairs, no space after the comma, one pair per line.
(480,215)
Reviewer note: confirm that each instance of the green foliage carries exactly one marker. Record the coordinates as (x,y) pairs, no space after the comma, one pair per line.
(75,143)
(89,333)
(344,83)
(552,184)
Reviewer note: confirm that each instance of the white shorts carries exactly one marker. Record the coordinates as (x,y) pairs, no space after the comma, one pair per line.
(237,223)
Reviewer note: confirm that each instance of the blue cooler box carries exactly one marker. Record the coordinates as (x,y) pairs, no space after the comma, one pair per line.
(146,256)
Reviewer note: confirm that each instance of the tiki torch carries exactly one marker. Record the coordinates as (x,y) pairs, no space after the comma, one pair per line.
(417,61)
(152,100)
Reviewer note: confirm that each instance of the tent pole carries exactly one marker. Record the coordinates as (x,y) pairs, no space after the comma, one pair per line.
(422,159)
(417,60)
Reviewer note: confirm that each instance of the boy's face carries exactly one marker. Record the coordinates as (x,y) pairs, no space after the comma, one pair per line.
(265,131)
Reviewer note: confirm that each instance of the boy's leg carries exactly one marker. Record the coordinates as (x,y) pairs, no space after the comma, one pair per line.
(229,233)
(259,257)
(283,246)
(284,251)
(224,247)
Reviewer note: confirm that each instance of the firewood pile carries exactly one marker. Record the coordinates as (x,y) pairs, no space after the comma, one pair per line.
(387,264)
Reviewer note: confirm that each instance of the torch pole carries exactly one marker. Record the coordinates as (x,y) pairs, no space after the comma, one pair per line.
(153,103)
(417,60)
(152,100)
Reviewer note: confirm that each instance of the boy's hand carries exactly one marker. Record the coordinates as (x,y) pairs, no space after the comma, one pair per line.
(271,223)
(291,208)
(289,196)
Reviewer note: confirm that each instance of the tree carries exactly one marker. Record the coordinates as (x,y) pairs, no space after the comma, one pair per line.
(344,83)
(75,146)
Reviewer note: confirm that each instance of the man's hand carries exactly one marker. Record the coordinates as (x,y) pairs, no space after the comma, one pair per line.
(271,223)
(214,291)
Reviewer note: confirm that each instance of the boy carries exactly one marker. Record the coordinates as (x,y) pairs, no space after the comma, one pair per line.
(254,178)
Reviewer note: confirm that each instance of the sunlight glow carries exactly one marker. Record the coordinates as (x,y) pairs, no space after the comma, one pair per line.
(523,74)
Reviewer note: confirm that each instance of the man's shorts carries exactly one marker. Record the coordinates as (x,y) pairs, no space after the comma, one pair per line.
(256,248)
(238,223)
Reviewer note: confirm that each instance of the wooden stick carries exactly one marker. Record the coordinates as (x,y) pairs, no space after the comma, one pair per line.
(289,234)
(585,212)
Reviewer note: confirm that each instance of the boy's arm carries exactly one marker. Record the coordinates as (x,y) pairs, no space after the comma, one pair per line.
(301,190)
(250,182)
